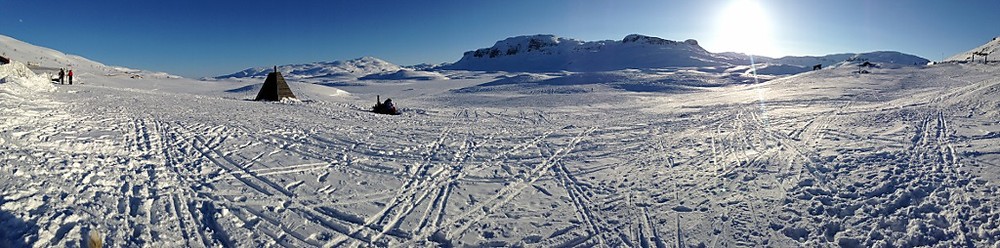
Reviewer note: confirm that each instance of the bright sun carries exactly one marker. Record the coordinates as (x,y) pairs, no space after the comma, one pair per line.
(744,27)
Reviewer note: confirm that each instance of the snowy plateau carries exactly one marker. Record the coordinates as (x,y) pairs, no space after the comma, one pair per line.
(537,141)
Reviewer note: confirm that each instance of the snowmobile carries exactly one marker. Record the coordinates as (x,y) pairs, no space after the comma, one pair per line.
(386,108)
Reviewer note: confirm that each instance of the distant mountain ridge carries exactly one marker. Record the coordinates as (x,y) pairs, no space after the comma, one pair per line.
(552,53)
(342,68)
(546,53)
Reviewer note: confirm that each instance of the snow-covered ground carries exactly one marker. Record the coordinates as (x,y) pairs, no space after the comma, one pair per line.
(903,156)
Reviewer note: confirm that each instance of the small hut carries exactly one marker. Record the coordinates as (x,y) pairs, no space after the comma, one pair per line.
(274,88)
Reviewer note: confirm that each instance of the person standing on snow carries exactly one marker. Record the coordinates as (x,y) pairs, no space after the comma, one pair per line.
(70,77)
(62,74)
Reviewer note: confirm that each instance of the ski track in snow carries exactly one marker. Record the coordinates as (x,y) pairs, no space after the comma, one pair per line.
(146,168)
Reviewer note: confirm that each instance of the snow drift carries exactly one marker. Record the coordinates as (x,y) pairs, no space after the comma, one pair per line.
(17,79)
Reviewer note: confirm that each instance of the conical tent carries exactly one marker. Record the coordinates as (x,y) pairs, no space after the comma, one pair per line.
(274,88)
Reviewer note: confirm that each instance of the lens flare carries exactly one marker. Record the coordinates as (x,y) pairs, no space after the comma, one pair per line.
(744,26)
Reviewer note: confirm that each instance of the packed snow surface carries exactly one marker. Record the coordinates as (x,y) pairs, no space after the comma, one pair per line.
(899,157)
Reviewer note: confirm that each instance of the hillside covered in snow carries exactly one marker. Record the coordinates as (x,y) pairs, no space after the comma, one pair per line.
(46,60)
(991,50)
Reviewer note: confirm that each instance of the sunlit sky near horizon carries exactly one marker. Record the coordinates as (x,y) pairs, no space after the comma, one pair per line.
(209,38)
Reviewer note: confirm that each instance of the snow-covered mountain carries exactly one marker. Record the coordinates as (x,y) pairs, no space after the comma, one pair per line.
(552,53)
(342,68)
(546,53)
(43,59)
(991,48)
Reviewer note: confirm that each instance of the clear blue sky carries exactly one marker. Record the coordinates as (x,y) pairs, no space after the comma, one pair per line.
(213,37)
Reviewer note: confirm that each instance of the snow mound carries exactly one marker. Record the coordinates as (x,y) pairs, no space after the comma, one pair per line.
(990,48)
(347,68)
(406,75)
(17,79)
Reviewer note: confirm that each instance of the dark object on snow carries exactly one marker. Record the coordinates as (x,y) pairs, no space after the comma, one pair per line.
(387,107)
(868,65)
(274,88)
(986,57)
(4,60)
(818,67)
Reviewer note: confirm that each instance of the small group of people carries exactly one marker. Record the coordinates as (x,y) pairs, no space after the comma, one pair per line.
(63,74)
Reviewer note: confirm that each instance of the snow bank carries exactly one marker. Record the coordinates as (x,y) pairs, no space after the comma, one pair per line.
(17,79)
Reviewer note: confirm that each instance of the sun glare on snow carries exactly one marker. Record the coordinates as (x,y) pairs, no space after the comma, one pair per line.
(744,26)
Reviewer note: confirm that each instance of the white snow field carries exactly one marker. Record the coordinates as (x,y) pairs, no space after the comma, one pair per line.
(903,156)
